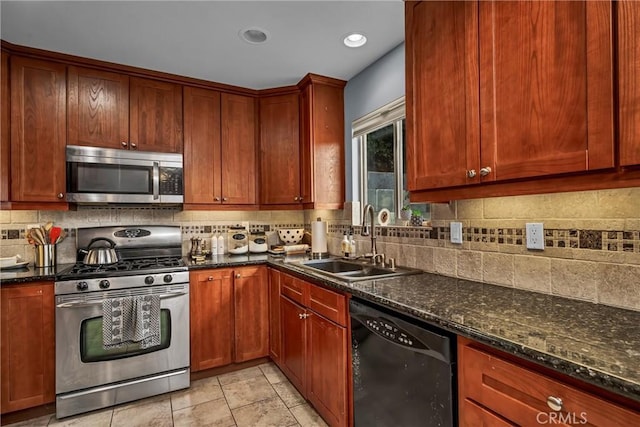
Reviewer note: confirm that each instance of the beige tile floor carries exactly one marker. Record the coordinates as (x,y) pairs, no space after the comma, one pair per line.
(253,397)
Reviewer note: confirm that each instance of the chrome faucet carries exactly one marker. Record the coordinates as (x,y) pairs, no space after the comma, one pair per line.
(366,232)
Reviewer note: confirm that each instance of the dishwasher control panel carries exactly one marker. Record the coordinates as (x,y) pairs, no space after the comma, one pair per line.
(391,332)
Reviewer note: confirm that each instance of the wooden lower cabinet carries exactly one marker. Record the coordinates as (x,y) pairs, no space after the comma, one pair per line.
(498,391)
(229,316)
(274,316)
(314,350)
(28,346)
(251,317)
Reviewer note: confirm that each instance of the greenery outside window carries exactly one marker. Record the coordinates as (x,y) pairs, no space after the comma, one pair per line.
(381,137)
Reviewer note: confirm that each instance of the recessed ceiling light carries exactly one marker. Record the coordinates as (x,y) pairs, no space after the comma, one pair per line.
(355,40)
(254,35)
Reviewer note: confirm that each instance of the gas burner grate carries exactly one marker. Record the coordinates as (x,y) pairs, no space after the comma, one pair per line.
(128,265)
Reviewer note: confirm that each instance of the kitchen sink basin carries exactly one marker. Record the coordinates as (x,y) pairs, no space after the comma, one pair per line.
(352,271)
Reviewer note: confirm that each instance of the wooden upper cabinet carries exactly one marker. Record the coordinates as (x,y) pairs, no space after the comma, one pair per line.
(155,115)
(629,81)
(505,90)
(442,106)
(28,359)
(322,142)
(5,136)
(211,318)
(546,88)
(202,156)
(280,150)
(98,110)
(251,313)
(38,130)
(239,150)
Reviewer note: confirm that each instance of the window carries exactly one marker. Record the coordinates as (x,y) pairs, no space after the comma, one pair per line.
(380,136)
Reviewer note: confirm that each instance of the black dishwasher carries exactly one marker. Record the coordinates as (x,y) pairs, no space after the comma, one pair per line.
(403,370)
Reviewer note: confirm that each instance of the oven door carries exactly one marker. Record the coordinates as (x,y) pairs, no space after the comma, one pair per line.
(82,361)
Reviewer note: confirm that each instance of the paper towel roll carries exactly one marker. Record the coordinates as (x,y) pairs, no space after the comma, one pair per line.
(319,237)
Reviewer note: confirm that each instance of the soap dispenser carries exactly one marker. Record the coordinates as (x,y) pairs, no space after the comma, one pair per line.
(345,246)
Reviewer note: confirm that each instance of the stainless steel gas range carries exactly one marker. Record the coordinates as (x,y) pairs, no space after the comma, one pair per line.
(122,330)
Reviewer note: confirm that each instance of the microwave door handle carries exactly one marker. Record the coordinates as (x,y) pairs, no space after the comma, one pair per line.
(156,180)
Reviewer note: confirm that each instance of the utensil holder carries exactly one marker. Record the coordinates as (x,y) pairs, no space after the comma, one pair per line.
(45,255)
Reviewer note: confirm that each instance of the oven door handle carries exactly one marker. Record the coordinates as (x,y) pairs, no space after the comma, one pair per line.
(156,180)
(80,303)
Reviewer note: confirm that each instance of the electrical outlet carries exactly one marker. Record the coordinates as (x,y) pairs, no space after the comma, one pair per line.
(535,235)
(456,232)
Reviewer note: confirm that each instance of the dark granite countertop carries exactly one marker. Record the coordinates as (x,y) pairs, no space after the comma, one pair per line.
(595,343)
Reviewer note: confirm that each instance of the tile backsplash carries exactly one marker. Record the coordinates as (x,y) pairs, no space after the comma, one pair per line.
(592,239)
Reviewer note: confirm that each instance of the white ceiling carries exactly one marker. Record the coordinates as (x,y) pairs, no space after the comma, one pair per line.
(200,38)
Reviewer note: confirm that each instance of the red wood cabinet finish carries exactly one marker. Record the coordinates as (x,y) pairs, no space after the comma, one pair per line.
(98,110)
(251,313)
(275,343)
(294,341)
(520,395)
(629,81)
(280,150)
(155,122)
(38,130)
(28,359)
(211,309)
(5,135)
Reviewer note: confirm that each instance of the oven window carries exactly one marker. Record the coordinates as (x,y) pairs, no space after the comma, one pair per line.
(91,349)
(122,179)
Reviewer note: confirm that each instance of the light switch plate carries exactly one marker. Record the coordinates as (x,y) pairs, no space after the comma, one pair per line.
(456,232)
(535,235)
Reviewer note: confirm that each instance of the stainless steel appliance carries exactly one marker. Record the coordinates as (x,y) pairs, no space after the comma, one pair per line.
(102,175)
(90,375)
(403,373)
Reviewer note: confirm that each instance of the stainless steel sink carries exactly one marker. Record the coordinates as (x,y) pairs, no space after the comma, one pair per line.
(352,271)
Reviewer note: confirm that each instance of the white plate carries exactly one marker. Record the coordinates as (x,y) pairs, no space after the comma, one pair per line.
(16,265)
(384,216)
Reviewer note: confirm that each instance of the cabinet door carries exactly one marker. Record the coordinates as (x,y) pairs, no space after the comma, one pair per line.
(280,150)
(98,113)
(5,141)
(38,130)
(202,157)
(251,303)
(327,360)
(155,116)
(629,81)
(474,415)
(442,121)
(239,150)
(274,316)
(294,338)
(211,308)
(546,87)
(28,359)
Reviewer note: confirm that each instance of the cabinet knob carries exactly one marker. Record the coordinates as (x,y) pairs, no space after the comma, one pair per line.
(224,199)
(238,275)
(485,171)
(300,198)
(124,143)
(555,403)
(301,316)
(134,145)
(295,199)
(60,195)
(216,199)
(471,173)
(210,278)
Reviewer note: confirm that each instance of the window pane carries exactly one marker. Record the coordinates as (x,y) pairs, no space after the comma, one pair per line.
(424,208)
(380,169)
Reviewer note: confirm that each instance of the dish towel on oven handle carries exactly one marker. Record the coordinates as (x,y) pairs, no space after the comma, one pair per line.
(131,320)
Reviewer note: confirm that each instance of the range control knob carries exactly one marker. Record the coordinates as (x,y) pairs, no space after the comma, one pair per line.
(104,284)
(148,280)
(82,286)
(167,278)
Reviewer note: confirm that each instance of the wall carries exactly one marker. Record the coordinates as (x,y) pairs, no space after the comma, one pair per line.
(193,223)
(375,86)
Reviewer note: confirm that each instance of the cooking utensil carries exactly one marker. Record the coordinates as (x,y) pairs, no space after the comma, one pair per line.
(54,234)
(48,226)
(37,234)
(100,255)
(63,234)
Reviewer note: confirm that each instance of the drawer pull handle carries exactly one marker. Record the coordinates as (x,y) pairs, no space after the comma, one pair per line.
(210,278)
(555,403)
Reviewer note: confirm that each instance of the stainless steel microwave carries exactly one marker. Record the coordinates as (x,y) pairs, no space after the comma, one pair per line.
(102,175)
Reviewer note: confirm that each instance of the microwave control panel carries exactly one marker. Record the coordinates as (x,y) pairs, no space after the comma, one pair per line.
(170,181)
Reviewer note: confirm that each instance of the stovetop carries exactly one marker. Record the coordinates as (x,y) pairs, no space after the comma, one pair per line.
(124,268)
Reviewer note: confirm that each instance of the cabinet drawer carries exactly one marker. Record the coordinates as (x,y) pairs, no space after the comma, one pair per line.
(520,395)
(329,304)
(293,288)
